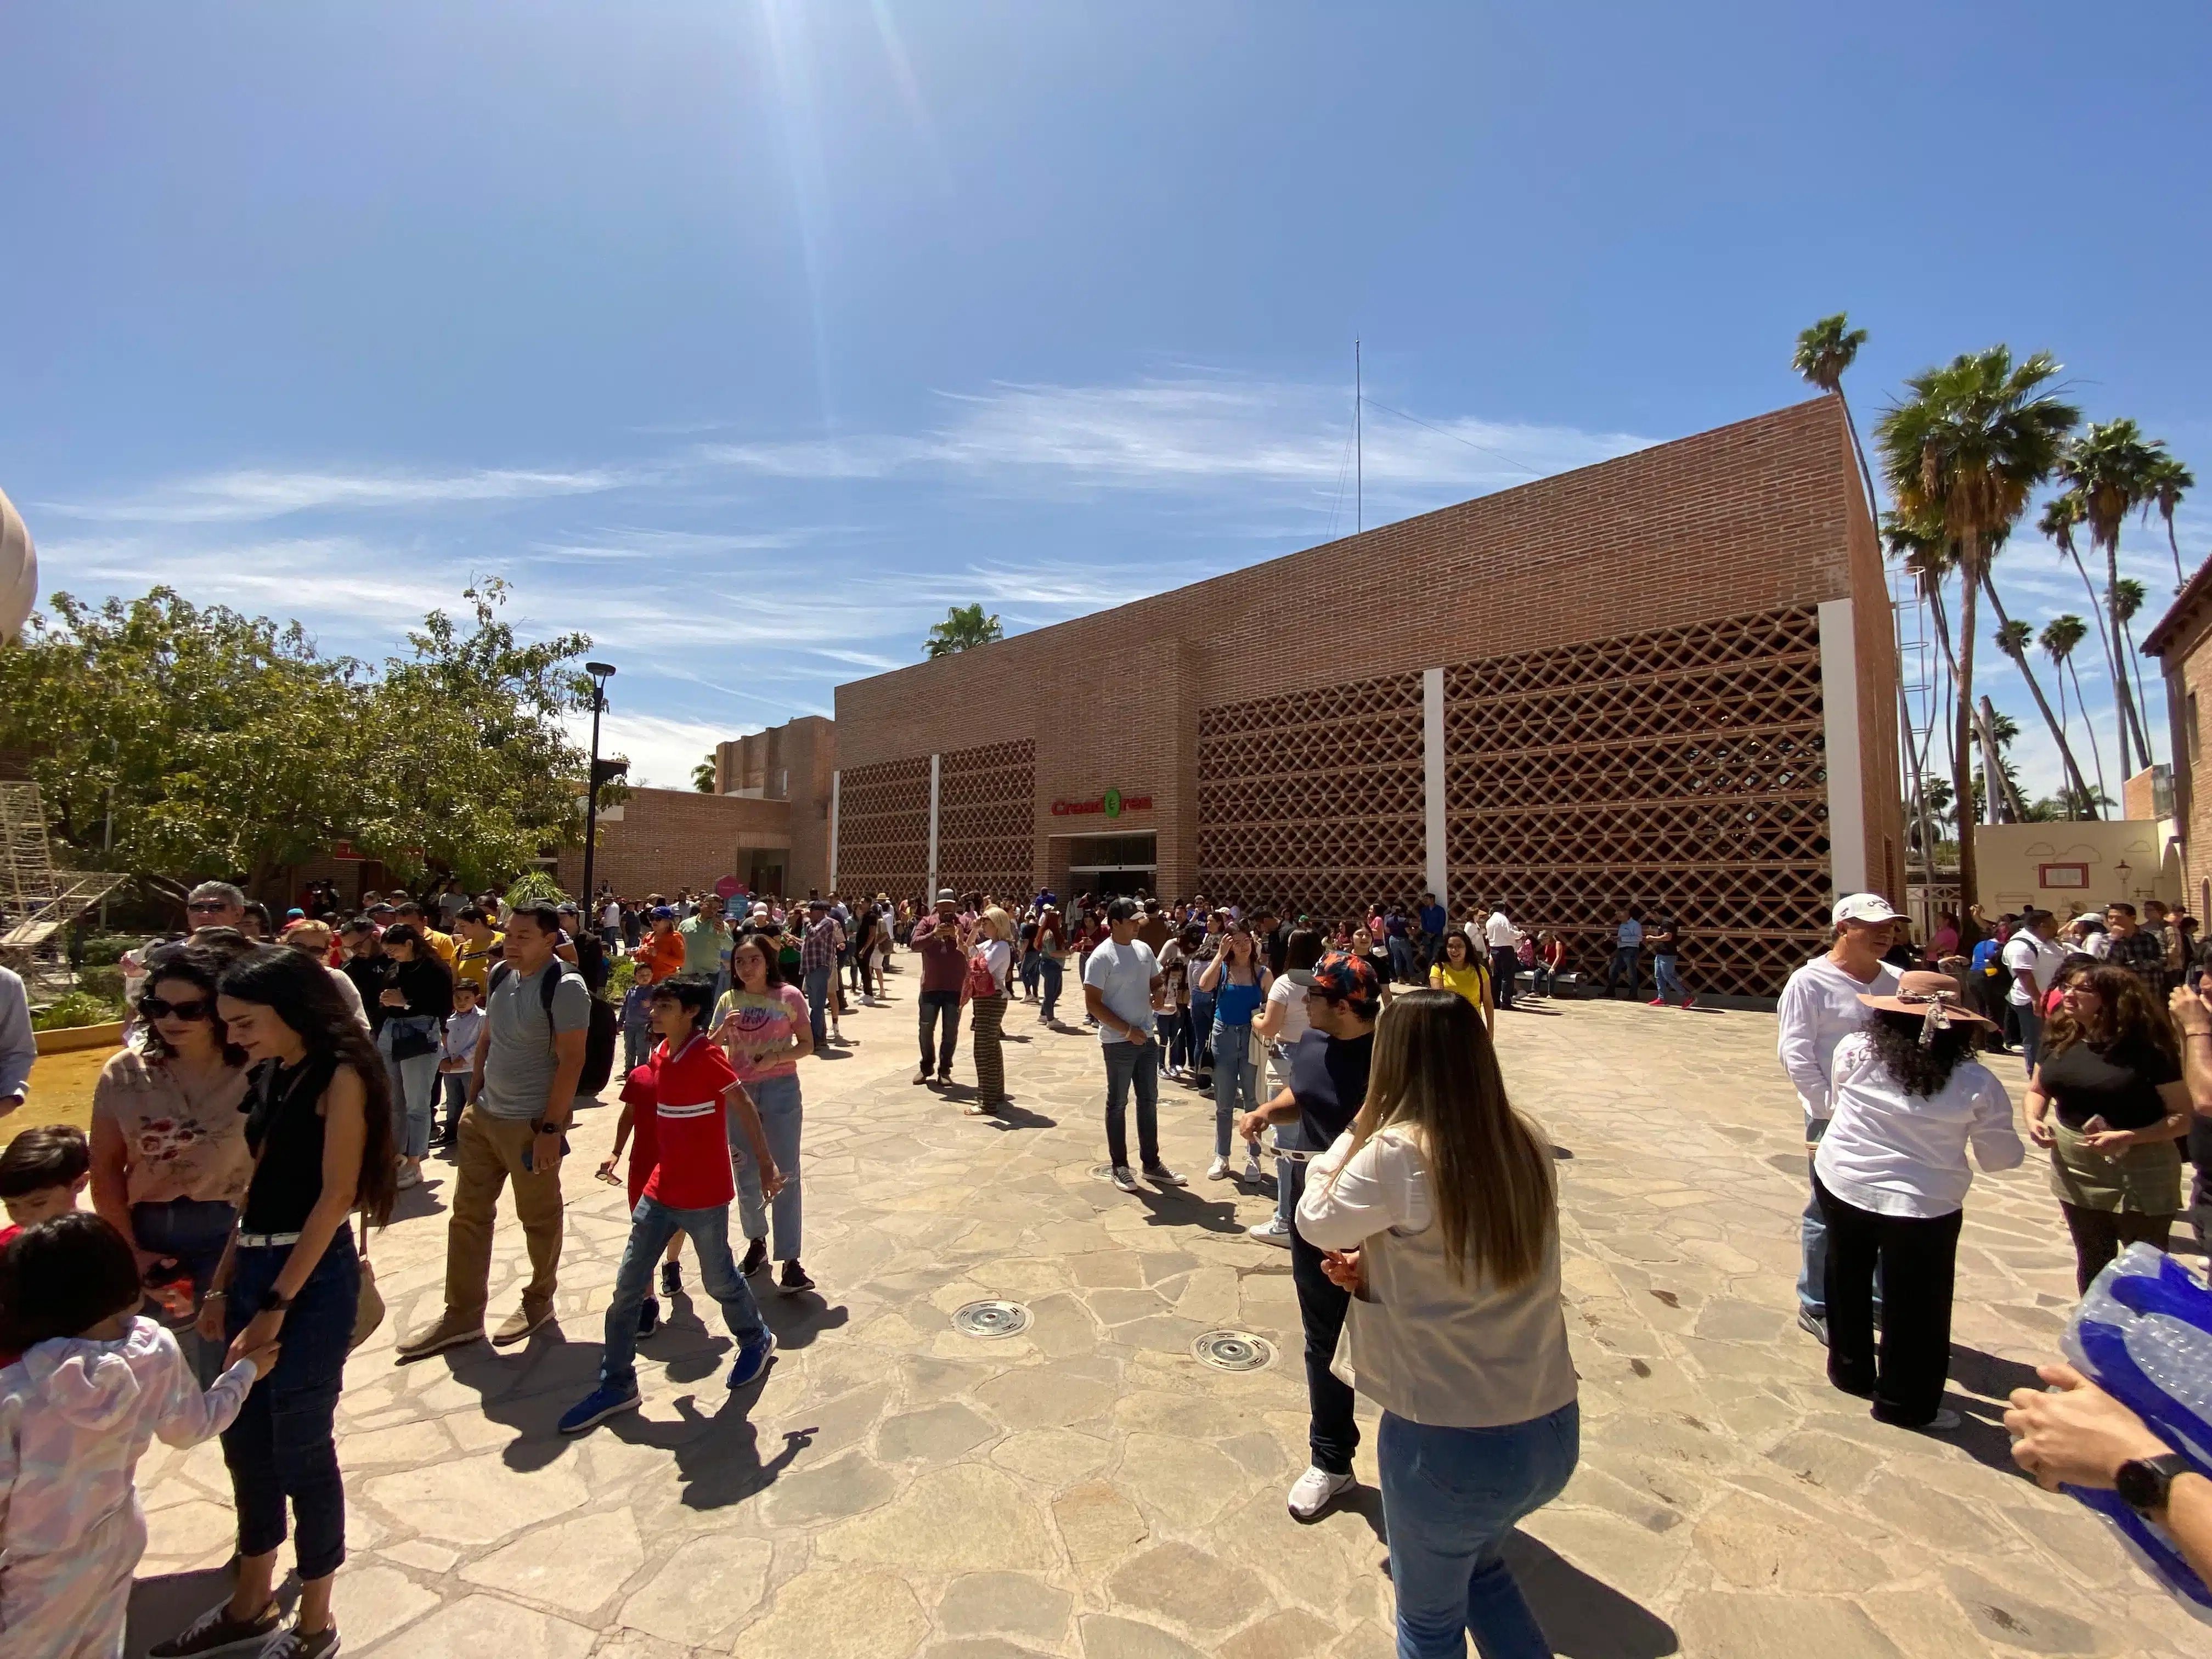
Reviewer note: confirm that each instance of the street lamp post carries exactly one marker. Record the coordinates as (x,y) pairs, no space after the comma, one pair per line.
(601,672)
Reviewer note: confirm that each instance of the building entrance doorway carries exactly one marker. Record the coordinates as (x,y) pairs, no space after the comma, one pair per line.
(766,877)
(1112,863)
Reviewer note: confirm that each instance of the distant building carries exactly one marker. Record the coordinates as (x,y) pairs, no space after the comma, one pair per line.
(2181,639)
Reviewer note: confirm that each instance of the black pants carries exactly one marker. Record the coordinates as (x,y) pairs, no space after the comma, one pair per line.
(2099,1236)
(1918,1257)
(1624,961)
(1331,1432)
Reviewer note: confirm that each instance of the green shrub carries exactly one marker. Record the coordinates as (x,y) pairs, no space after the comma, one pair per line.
(105,982)
(76,1009)
(105,949)
(537,887)
(620,975)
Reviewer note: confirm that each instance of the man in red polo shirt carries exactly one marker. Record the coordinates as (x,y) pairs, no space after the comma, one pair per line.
(689,1189)
(942,941)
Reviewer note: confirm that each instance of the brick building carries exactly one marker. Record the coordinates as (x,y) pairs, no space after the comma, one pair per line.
(2181,639)
(1667,680)
(661,840)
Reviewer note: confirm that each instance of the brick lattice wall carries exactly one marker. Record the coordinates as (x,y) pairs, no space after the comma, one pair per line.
(1682,769)
(883,828)
(985,804)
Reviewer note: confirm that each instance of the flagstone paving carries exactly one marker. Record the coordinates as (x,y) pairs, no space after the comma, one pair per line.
(1087,1488)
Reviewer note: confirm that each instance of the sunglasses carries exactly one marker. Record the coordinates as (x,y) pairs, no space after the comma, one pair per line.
(198,1008)
(207,907)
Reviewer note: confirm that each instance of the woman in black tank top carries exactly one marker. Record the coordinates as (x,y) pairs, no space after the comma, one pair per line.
(319,1123)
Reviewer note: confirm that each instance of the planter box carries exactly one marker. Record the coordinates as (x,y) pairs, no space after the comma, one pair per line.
(71,1038)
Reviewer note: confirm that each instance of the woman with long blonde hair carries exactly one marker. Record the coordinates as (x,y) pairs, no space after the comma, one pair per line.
(1439,1210)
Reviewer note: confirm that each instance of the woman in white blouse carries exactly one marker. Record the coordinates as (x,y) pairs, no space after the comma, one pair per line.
(1891,1177)
(1439,1212)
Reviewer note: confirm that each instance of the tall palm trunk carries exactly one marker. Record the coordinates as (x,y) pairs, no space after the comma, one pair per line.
(2004,789)
(2057,730)
(2096,750)
(1970,573)
(2143,698)
(1973,728)
(2102,609)
(2180,581)
(2126,703)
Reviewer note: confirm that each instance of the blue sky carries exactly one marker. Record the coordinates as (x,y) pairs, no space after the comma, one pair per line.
(749,335)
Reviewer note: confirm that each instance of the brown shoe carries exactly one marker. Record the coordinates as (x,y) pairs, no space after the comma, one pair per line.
(518,1325)
(445,1334)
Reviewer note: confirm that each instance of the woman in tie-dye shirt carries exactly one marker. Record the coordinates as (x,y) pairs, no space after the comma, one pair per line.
(761,1024)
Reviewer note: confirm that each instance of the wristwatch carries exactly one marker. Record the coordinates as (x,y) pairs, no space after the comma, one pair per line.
(272,1301)
(2142,1482)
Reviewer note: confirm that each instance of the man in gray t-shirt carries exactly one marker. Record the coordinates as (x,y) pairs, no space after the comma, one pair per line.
(1119,982)
(521,1097)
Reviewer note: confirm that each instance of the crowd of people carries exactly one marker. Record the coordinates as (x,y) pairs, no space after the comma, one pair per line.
(284,1084)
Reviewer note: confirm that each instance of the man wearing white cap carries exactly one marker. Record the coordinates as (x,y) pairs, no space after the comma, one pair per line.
(1819,1008)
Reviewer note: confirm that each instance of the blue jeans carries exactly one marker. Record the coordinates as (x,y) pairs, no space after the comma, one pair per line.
(414,1084)
(637,1048)
(1670,988)
(280,1449)
(1201,1030)
(1402,957)
(935,1006)
(194,1232)
(1051,968)
(1624,961)
(2030,1033)
(1128,1063)
(1236,1082)
(1030,960)
(453,1090)
(651,1226)
(817,1004)
(1450,1498)
(781,1112)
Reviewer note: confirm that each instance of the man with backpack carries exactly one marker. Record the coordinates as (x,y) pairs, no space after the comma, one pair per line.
(521,1095)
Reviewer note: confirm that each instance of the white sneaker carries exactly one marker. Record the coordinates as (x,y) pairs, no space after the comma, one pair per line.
(1252,1166)
(1273,1231)
(1218,1170)
(1125,1177)
(1315,1490)
(1943,1422)
(410,1176)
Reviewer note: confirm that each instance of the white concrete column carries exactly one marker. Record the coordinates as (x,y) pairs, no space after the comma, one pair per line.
(935,780)
(1839,719)
(1432,779)
(836,779)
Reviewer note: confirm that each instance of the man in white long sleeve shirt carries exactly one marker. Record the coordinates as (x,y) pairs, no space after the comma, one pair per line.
(18,1044)
(1819,1008)
(1505,942)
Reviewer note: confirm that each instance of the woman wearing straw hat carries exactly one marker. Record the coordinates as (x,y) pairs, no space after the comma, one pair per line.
(1891,1177)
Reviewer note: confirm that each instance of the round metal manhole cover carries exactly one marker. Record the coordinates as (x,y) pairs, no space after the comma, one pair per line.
(1235,1351)
(991,1319)
(1102,1172)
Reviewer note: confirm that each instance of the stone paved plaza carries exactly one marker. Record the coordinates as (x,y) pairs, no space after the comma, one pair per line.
(1088,1488)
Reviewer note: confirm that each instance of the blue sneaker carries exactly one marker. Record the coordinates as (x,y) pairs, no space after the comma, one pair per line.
(595,1407)
(752,1360)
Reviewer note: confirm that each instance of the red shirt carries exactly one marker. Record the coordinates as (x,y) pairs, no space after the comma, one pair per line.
(9,1356)
(944,958)
(692,1165)
(644,1137)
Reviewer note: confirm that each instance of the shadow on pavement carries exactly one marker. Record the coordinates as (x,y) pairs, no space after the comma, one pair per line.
(161,1607)
(1584,1617)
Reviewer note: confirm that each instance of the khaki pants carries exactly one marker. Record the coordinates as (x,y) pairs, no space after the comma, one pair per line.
(489,1154)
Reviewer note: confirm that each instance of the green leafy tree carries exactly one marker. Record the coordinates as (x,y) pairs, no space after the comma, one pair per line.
(229,746)
(964,628)
(702,775)
(1964,449)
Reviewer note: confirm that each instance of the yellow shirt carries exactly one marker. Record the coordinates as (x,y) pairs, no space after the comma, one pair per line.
(1470,982)
(442,944)
(472,963)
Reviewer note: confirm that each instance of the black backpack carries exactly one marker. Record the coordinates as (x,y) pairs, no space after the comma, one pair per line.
(599,1033)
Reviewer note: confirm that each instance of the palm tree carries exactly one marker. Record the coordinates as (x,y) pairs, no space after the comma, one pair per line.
(964,628)
(2061,515)
(1932,557)
(1824,352)
(2106,466)
(2059,637)
(2168,481)
(1964,450)
(702,775)
(2128,597)
(2013,638)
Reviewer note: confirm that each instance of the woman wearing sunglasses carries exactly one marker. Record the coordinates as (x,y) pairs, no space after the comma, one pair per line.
(169,1161)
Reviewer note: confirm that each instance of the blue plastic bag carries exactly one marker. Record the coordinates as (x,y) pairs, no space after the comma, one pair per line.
(2143,1335)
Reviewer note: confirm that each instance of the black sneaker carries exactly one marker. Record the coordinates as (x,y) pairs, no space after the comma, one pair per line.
(756,1258)
(217,1631)
(672,1277)
(794,1278)
(648,1316)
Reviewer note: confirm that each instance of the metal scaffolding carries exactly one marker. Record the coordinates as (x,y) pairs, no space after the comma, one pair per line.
(38,902)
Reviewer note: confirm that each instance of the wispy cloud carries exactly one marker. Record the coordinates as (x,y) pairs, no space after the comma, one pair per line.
(251,494)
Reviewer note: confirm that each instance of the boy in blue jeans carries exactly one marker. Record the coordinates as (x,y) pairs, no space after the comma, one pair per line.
(637,1019)
(689,1191)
